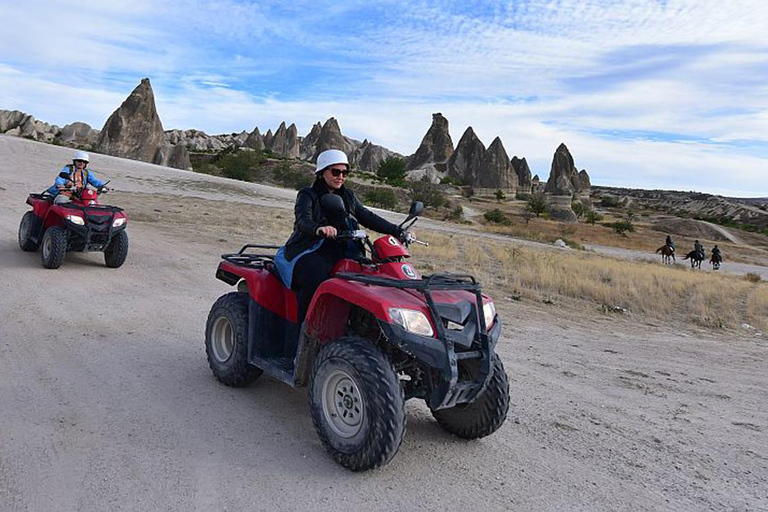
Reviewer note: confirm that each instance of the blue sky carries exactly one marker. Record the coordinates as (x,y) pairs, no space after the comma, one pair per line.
(645,94)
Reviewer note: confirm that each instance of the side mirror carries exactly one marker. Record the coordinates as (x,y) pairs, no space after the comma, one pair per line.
(333,206)
(416,208)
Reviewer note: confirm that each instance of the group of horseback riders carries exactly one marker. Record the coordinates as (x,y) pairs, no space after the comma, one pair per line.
(716,256)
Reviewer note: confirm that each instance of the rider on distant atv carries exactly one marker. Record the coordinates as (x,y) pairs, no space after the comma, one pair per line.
(74,176)
(306,260)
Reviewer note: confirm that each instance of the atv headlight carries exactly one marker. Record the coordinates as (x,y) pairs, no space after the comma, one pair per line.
(118,222)
(411,320)
(76,219)
(489,313)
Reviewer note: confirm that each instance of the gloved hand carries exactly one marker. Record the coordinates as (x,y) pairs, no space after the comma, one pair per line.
(406,237)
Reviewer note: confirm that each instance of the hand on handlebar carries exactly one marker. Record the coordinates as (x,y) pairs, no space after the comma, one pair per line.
(327,231)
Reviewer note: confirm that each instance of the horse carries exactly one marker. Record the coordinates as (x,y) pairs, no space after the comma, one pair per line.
(715,260)
(696,258)
(667,254)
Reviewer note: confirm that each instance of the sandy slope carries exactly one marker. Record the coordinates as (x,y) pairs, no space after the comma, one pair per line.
(106,401)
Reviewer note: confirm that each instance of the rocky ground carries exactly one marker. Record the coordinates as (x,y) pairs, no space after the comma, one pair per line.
(106,400)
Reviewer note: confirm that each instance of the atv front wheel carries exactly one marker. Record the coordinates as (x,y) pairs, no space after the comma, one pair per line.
(117,250)
(226,341)
(54,247)
(26,227)
(357,404)
(483,416)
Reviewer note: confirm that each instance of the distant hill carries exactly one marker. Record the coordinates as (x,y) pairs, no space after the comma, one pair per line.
(750,214)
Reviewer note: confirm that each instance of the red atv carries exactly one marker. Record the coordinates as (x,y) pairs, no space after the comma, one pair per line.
(376,334)
(79,225)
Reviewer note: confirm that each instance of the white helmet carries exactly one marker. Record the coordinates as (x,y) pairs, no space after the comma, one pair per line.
(330,157)
(81,155)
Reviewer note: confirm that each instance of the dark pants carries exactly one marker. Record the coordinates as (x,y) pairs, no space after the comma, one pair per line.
(310,271)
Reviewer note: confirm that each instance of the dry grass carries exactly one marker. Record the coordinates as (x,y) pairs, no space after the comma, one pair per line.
(600,283)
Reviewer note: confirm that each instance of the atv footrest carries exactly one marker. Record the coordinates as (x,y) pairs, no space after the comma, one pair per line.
(460,394)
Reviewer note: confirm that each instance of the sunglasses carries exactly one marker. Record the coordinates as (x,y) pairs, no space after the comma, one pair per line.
(82,161)
(337,172)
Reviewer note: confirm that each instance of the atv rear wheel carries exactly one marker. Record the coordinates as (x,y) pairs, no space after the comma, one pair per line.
(25,233)
(226,341)
(117,250)
(483,416)
(357,404)
(54,247)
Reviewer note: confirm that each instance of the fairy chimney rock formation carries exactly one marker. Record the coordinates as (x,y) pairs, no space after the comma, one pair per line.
(563,184)
(564,179)
(134,130)
(285,142)
(524,181)
(254,140)
(435,147)
(496,170)
(309,142)
(466,161)
(331,138)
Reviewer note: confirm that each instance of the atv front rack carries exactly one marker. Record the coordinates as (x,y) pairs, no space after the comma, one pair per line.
(249,259)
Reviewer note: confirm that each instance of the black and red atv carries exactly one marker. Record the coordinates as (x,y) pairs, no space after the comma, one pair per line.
(79,225)
(376,334)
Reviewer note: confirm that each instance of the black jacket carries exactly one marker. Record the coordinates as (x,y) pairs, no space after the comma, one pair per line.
(310,216)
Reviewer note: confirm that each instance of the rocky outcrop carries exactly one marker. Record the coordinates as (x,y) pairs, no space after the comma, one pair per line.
(564,179)
(173,155)
(254,140)
(371,156)
(309,142)
(435,147)
(79,134)
(584,182)
(564,183)
(285,142)
(523,172)
(466,161)
(496,170)
(11,119)
(134,130)
(19,124)
(331,138)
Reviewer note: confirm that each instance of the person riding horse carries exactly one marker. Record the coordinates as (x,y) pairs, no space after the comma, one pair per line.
(669,243)
(700,249)
(717,258)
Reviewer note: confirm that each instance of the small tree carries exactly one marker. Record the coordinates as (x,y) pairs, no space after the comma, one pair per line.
(538,203)
(427,192)
(499,195)
(592,216)
(381,197)
(392,171)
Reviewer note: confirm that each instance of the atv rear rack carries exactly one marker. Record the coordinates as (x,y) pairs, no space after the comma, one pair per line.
(249,259)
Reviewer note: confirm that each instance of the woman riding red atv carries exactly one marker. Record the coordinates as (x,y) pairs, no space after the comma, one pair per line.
(310,253)
(74,177)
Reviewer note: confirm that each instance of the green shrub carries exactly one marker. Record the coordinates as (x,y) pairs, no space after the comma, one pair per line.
(499,195)
(496,216)
(592,216)
(609,201)
(456,215)
(537,204)
(392,171)
(381,197)
(241,165)
(427,192)
(752,277)
(292,178)
(621,227)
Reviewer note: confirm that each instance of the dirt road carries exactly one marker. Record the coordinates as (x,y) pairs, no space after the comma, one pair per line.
(107,403)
